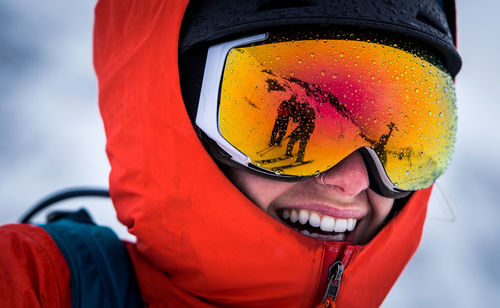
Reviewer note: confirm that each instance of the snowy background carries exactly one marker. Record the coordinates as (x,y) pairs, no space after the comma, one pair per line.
(51,137)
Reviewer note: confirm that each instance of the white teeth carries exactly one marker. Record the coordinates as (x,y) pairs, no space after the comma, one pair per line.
(351,224)
(327,223)
(303,216)
(314,219)
(340,225)
(286,214)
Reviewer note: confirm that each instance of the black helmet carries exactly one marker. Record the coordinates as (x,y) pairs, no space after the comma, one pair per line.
(207,22)
(430,21)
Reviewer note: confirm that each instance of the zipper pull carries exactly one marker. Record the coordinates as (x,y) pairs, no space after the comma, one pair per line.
(334,277)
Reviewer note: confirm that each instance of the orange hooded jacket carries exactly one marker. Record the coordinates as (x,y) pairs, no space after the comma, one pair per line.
(200,242)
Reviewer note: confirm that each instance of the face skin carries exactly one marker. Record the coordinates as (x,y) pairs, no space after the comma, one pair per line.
(345,196)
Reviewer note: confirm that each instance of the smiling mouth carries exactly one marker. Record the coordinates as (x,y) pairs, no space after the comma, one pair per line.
(319,226)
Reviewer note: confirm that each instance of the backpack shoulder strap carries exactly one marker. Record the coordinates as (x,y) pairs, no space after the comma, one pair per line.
(102,274)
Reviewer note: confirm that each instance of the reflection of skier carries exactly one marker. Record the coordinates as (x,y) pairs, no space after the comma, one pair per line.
(281,123)
(379,145)
(302,114)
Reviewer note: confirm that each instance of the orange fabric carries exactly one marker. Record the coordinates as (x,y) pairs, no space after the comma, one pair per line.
(200,242)
(375,267)
(33,270)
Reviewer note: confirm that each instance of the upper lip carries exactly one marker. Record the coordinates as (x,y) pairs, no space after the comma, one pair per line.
(326,209)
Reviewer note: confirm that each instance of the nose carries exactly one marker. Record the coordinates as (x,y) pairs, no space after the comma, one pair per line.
(349,176)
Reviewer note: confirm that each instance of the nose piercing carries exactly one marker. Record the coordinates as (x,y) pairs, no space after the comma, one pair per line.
(322,178)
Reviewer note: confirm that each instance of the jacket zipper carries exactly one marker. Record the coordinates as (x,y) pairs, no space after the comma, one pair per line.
(336,258)
(335,277)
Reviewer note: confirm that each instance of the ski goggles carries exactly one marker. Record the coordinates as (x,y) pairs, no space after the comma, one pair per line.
(296,108)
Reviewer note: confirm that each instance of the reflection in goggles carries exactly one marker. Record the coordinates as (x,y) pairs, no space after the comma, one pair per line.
(303,114)
(332,97)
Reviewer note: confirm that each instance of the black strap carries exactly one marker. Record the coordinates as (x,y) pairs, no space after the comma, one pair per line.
(102,274)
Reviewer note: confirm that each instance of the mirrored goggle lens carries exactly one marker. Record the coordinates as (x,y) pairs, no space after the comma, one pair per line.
(300,107)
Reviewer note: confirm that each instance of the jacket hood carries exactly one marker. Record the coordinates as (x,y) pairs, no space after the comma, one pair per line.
(200,242)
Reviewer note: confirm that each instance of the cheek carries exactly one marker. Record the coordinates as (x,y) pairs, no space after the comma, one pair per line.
(260,190)
(380,209)
(381,206)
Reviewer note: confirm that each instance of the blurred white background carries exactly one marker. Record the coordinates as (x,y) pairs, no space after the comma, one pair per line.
(51,137)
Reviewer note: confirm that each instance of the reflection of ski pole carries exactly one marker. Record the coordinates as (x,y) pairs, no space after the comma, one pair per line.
(269,148)
(266,150)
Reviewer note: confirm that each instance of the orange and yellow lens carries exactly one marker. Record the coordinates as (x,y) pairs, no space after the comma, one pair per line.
(300,107)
